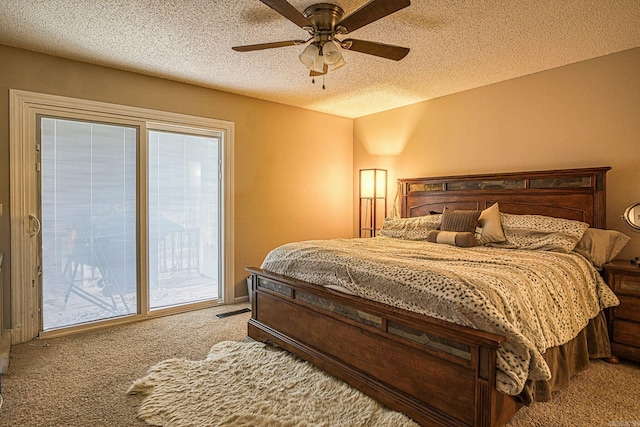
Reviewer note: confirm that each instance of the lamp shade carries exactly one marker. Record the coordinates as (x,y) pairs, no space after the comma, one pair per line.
(309,56)
(330,53)
(373,183)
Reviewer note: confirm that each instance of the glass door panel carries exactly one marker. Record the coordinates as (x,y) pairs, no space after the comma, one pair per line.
(183,218)
(88,212)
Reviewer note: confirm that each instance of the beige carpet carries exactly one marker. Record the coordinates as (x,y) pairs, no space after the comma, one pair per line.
(82,380)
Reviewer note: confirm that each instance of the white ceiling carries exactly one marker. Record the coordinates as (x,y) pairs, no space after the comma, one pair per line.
(455,44)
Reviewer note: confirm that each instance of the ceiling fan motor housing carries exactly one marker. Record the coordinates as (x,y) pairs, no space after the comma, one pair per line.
(324,17)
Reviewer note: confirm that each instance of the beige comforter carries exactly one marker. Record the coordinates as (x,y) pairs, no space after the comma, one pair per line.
(537,299)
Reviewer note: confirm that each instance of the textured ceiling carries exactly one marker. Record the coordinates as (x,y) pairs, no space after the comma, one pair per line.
(455,44)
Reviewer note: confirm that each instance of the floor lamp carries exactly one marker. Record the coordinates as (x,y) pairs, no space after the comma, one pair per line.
(373,200)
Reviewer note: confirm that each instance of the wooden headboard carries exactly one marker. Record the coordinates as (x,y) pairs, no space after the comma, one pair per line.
(578,194)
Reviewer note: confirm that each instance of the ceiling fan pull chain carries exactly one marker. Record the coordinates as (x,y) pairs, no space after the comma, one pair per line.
(323,82)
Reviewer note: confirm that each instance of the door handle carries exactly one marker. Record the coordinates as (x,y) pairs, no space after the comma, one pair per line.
(34,230)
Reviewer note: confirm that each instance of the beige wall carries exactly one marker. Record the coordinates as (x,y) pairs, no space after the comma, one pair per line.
(295,169)
(581,115)
(292,166)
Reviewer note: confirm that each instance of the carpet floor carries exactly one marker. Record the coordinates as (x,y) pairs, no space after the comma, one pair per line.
(83,379)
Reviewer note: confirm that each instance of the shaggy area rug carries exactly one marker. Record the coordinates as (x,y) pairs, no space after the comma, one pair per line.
(251,384)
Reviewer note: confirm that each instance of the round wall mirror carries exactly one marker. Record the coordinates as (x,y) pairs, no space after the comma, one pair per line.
(632,216)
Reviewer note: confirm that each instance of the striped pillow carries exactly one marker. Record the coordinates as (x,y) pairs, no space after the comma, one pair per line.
(459,220)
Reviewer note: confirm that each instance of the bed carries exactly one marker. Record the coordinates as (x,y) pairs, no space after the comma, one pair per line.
(436,370)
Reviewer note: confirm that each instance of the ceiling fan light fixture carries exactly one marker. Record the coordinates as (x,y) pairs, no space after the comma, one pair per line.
(310,55)
(318,65)
(341,63)
(331,53)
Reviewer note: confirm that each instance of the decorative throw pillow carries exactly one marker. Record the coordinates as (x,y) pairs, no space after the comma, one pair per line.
(463,239)
(539,232)
(601,246)
(459,220)
(489,221)
(416,228)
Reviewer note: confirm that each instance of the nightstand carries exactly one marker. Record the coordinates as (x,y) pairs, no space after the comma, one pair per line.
(624,320)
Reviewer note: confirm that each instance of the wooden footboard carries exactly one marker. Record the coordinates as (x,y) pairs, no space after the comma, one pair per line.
(435,372)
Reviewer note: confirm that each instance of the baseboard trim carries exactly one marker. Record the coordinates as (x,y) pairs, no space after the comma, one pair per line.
(240,300)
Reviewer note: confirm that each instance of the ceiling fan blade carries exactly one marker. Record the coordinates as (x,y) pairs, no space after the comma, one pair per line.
(251,47)
(370,12)
(378,49)
(325,70)
(285,9)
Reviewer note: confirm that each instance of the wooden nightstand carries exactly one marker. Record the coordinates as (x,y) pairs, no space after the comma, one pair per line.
(624,320)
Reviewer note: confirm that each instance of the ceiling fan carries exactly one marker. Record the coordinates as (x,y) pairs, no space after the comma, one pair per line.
(324,22)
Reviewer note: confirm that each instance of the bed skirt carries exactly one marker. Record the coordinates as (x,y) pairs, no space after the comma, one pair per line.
(567,360)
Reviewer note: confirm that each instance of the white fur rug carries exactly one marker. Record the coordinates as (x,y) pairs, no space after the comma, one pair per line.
(251,384)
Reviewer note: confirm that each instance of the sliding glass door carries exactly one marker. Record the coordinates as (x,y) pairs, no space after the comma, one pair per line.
(91,253)
(118,213)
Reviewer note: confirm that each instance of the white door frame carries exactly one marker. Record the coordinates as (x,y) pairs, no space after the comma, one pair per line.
(23,108)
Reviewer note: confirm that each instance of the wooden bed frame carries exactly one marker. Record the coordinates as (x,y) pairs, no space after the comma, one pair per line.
(435,372)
